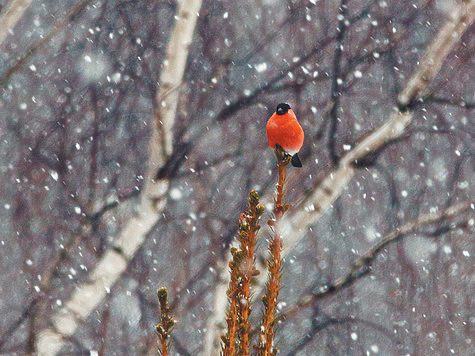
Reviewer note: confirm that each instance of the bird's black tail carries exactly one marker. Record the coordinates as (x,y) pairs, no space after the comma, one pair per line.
(296,160)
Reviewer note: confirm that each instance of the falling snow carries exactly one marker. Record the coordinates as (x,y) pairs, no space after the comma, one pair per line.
(82,97)
(261,67)
(176,194)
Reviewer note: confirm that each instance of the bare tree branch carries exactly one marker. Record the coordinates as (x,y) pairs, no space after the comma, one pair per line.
(463,103)
(360,268)
(26,313)
(335,86)
(327,321)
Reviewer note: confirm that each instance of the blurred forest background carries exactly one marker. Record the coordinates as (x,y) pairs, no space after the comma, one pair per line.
(82,94)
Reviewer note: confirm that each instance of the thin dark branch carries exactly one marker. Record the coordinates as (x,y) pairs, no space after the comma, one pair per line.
(361,267)
(337,80)
(7,335)
(93,217)
(463,103)
(321,323)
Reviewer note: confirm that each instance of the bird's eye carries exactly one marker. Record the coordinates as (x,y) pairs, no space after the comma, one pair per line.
(282,109)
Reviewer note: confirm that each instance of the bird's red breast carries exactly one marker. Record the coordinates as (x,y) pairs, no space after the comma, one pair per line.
(285,131)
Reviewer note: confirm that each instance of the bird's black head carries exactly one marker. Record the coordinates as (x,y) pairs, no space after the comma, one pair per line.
(282,109)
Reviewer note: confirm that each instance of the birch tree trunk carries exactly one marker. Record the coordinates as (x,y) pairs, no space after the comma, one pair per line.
(114,262)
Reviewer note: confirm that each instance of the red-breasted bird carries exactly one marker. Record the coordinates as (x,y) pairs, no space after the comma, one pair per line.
(284,129)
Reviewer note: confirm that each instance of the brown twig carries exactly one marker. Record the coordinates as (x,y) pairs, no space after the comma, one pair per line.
(242,269)
(164,328)
(229,339)
(248,228)
(266,339)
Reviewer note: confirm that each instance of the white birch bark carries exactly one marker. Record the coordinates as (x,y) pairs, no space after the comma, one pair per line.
(9,18)
(109,269)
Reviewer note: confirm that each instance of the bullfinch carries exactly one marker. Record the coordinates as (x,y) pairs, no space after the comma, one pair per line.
(283,129)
